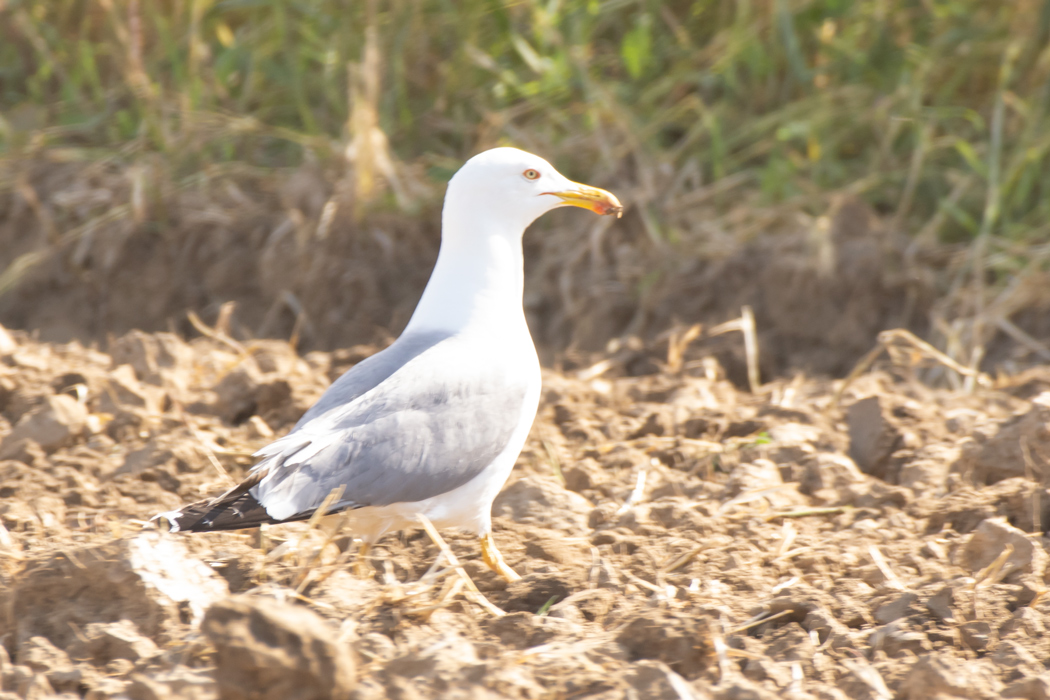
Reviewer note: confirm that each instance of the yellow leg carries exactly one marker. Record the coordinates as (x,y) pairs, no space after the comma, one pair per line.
(494,560)
(363,567)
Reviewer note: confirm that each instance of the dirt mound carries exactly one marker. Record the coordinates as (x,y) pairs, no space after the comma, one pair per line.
(676,538)
(820,296)
(196,244)
(297,260)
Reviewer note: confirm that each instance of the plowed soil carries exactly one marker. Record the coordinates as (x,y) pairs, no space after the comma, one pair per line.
(677,538)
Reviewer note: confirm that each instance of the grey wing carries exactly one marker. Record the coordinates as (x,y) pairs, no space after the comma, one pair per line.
(371,372)
(417,435)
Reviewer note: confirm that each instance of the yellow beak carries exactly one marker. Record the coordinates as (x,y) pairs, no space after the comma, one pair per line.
(587,197)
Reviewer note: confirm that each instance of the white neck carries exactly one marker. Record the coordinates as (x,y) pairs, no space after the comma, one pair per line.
(478,279)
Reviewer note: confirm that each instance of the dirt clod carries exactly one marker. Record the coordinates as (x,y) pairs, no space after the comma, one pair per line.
(681,644)
(895,609)
(655,680)
(935,676)
(873,436)
(543,501)
(149,580)
(104,642)
(1008,451)
(1037,688)
(267,651)
(56,422)
(990,541)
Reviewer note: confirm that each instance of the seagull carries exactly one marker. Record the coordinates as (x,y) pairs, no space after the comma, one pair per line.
(433,424)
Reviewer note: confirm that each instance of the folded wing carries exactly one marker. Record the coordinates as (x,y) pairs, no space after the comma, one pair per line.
(414,421)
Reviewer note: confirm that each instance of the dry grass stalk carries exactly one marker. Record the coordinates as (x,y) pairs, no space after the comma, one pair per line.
(215,334)
(795,687)
(761,619)
(369,150)
(206,450)
(790,554)
(23,264)
(741,654)
(662,593)
(6,540)
(452,588)
(722,655)
(306,566)
(682,560)
(281,549)
(746,325)
(788,535)
(890,340)
(1038,349)
(404,594)
(291,545)
(677,345)
(994,571)
(310,601)
(338,564)
(784,585)
(637,494)
(473,592)
(755,495)
(72,559)
(991,574)
(595,569)
(869,676)
(562,650)
(806,512)
(596,370)
(892,581)
(222,323)
(927,235)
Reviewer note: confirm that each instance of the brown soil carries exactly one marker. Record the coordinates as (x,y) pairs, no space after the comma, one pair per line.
(775,545)
(821,288)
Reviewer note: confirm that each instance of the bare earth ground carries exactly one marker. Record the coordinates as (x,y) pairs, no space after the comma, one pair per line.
(678,538)
(821,287)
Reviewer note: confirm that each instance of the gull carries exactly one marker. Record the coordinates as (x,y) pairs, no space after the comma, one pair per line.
(433,424)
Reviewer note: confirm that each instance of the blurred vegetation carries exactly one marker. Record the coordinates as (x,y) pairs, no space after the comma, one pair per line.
(924,106)
(936,111)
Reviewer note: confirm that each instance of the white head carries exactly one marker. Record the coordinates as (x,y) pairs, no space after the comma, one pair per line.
(510,188)
(479,274)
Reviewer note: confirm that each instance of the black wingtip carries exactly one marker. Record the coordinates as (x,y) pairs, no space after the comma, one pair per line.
(239,512)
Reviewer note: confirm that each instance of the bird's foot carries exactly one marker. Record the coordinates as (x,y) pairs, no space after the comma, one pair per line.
(494,560)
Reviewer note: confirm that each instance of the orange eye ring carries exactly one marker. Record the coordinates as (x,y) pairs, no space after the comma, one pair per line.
(531,174)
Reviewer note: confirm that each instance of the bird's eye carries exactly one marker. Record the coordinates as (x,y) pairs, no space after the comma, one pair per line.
(531,174)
